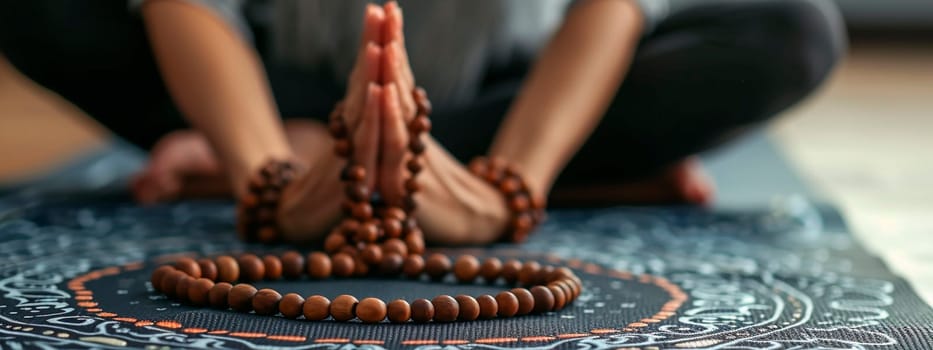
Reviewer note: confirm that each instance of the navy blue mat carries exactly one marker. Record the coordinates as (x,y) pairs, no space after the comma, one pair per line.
(74,273)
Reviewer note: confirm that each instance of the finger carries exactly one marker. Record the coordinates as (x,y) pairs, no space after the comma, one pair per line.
(366,138)
(394,148)
(394,32)
(368,68)
(393,73)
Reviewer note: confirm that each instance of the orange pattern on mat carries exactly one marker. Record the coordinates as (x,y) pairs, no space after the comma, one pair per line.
(84,299)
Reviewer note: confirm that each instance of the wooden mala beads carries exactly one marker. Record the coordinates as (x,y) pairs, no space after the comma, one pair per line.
(554,289)
(257,210)
(527,209)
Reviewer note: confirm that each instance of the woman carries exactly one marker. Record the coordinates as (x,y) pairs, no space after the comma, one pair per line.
(596,101)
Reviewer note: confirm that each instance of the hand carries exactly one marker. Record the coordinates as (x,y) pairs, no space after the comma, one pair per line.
(454,206)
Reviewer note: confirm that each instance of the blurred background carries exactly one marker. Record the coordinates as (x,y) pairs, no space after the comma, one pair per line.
(864,142)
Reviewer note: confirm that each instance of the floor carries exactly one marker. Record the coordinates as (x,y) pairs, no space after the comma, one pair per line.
(864,141)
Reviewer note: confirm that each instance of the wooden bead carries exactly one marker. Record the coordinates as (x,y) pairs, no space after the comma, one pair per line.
(353,173)
(319,265)
(544,274)
(316,308)
(217,296)
(412,185)
(488,307)
(170,282)
(415,242)
(395,245)
(334,241)
(420,124)
(413,266)
(268,234)
(409,202)
(544,299)
(343,307)
(446,308)
(372,254)
(560,298)
(198,291)
(266,301)
(360,267)
(273,267)
(398,311)
(391,264)
(508,304)
(491,269)
(519,203)
(208,268)
(469,308)
(240,297)
(371,310)
(392,227)
(181,288)
(158,274)
(344,265)
(422,310)
(394,213)
(416,145)
(362,211)
(414,165)
(349,226)
(421,99)
(357,192)
(526,301)
(466,268)
(367,232)
(528,275)
(510,270)
(251,268)
(189,266)
(337,128)
(437,266)
(291,304)
(293,265)
(343,148)
(510,185)
(228,270)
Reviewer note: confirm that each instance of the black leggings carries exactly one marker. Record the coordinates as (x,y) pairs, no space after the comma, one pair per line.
(705,74)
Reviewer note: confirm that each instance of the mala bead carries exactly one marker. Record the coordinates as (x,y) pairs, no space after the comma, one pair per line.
(343,307)
(437,266)
(372,254)
(343,265)
(422,310)
(158,274)
(560,299)
(198,291)
(391,264)
(189,266)
(334,241)
(266,301)
(414,165)
(360,267)
(181,288)
(528,275)
(362,211)
(316,308)
(367,232)
(507,304)
(545,274)
(543,299)
(510,270)
(170,282)
(358,192)
(446,308)
(342,148)
(291,304)
(273,267)
(395,245)
(319,265)
(354,173)
(488,307)
(371,310)
(415,242)
(240,297)
(466,268)
(469,308)
(526,301)
(218,294)
(398,311)
(392,227)
(413,266)
(293,264)
(251,267)
(491,269)
(228,270)
(208,268)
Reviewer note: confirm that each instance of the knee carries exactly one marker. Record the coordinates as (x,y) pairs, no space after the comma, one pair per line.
(810,40)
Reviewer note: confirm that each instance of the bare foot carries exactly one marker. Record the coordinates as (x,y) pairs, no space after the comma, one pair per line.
(682,183)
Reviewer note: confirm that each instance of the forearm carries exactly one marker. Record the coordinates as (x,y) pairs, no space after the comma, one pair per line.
(569,89)
(219,84)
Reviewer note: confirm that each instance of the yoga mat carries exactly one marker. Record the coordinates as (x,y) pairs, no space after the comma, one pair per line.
(74,274)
